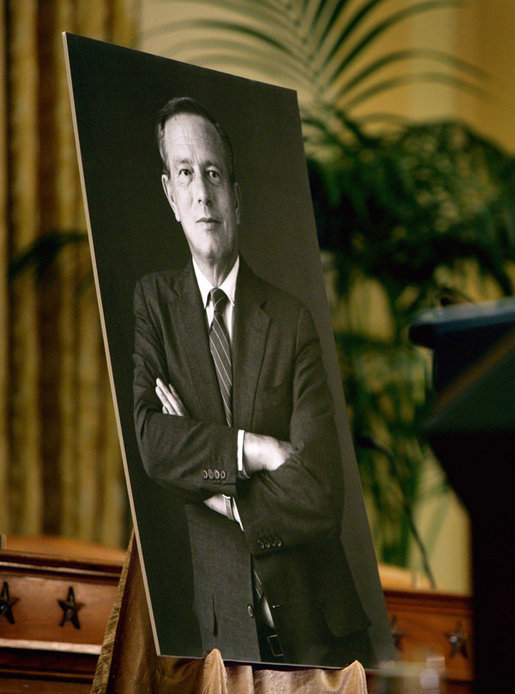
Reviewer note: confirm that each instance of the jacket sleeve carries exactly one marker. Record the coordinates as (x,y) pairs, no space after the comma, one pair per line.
(301,501)
(193,458)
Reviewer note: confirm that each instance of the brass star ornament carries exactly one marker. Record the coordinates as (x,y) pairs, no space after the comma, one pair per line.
(70,608)
(397,633)
(458,640)
(6,604)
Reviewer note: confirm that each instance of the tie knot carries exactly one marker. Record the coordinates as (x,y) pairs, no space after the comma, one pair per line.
(219,299)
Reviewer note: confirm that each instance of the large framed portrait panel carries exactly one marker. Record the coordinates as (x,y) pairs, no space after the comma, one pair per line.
(116,95)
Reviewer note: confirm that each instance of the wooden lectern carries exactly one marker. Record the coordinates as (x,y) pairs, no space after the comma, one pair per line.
(472,432)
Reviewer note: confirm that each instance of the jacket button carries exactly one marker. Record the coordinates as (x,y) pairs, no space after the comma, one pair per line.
(250,611)
(223,474)
(217,474)
(211,474)
(279,542)
(267,544)
(204,474)
(261,544)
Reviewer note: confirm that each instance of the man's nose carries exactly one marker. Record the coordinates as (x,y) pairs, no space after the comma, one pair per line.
(202,193)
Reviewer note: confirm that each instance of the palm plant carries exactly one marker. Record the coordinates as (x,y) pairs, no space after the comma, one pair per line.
(416,206)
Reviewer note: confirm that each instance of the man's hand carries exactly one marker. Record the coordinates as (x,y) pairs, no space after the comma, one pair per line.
(171,402)
(216,503)
(264,452)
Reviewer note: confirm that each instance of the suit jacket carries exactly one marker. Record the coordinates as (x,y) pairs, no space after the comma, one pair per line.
(291,516)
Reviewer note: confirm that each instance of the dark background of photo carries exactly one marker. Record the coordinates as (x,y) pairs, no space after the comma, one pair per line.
(117,93)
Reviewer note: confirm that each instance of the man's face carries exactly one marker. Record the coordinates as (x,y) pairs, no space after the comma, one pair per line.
(198,188)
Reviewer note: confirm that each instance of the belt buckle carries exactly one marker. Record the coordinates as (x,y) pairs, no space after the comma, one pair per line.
(275,645)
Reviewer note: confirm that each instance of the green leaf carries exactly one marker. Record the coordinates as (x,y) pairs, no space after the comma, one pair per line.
(353,23)
(322,29)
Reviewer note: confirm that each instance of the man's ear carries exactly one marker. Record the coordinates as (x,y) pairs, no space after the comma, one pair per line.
(167,187)
(237,200)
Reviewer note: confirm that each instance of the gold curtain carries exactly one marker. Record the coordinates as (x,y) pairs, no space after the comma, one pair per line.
(60,463)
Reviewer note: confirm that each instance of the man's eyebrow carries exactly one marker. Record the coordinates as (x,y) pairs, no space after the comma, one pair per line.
(209,163)
(177,161)
(214,164)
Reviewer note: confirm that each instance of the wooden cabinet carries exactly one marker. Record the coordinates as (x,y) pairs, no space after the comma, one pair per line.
(53,617)
(432,624)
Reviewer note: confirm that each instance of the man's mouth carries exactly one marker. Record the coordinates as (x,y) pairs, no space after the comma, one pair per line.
(207,220)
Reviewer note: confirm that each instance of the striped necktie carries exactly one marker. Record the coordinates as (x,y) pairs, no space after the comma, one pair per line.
(221,350)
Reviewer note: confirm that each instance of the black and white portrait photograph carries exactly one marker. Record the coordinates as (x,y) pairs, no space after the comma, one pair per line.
(244,490)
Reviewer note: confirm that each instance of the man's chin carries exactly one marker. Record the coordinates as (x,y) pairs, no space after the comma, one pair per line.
(214,254)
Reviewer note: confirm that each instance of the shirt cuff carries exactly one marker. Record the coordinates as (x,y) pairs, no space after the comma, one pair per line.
(228,507)
(235,512)
(242,474)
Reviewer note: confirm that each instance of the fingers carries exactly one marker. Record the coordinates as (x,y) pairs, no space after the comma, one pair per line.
(170,401)
(167,406)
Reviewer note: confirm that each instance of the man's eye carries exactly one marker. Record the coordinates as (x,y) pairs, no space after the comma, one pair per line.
(212,173)
(184,173)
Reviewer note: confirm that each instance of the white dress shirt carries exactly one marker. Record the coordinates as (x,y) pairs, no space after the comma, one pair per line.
(229,288)
(229,507)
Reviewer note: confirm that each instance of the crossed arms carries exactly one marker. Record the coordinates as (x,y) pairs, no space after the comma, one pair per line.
(259,452)
(295,480)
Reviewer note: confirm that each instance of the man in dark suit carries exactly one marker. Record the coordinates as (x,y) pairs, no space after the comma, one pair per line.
(234,415)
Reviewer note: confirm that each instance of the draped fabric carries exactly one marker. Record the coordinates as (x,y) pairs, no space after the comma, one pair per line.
(128,662)
(60,462)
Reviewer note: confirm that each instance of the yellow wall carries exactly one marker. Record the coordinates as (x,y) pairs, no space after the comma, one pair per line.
(482,33)
(486,37)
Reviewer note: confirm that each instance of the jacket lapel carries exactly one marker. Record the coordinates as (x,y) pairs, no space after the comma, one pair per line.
(189,315)
(251,325)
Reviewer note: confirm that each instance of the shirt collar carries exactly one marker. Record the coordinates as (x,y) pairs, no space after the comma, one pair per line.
(228,285)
